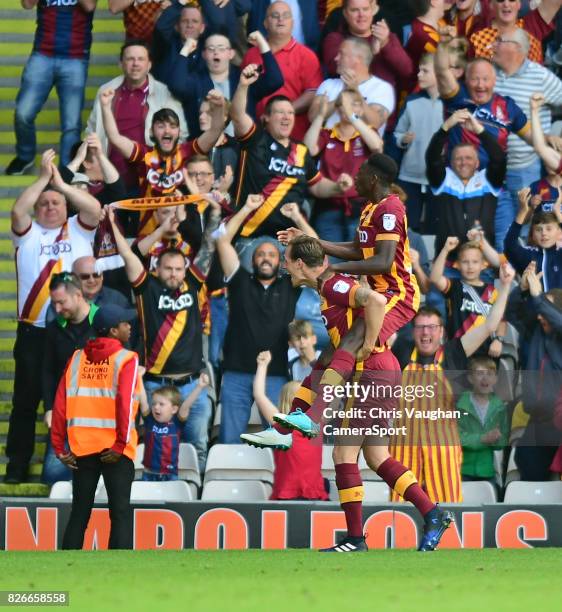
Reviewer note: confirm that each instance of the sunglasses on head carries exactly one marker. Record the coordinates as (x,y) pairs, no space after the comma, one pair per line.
(64,278)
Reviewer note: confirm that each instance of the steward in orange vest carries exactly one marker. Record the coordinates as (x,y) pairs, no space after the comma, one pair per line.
(95,407)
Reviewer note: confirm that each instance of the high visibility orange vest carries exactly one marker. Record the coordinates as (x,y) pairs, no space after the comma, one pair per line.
(91,393)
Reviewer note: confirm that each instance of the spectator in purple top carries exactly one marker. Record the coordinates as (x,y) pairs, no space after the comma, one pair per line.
(59,58)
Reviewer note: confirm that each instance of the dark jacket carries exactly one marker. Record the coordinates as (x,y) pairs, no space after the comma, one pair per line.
(61,340)
(191,85)
(460,205)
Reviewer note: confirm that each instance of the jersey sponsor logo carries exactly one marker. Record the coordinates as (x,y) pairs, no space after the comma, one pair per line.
(469,306)
(363,236)
(389,221)
(485,114)
(282,167)
(341,287)
(168,303)
(56,249)
(165,181)
(50,3)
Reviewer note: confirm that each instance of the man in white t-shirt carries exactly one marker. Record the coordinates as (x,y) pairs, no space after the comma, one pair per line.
(45,246)
(353,60)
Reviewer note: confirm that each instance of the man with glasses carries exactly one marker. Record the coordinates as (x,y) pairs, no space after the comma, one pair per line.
(300,67)
(538,23)
(432,449)
(191,84)
(44,246)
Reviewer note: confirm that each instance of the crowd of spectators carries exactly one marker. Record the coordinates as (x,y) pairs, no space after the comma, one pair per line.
(253,117)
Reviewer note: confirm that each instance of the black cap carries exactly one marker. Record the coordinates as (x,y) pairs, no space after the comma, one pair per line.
(110,316)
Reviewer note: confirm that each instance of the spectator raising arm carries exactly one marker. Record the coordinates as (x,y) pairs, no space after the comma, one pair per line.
(490,254)
(228,256)
(437,276)
(21,211)
(204,256)
(447,83)
(124,145)
(266,407)
(497,162)
(292,210)
(188,402)
(552,159)
(421,276)
(369,136)
(240,119)
(133,265)
(209,139)
(313,133)
(474,338)
(89,209)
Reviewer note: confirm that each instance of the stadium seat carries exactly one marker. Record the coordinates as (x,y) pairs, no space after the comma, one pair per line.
(62,490)
(429,242)
(475,493)
(512,473)
(138,462)
(188,464)
(254,424)
(169,491)
(239,462)
(234,490)
(526,492)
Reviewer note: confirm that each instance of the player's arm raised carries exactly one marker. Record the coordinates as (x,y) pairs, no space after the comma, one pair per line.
(381,263)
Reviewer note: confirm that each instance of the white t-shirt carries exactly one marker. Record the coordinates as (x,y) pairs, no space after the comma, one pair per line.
(298,32)
(374,90)
(36,248)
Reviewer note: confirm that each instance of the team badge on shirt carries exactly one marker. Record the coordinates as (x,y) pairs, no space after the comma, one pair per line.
(388,221)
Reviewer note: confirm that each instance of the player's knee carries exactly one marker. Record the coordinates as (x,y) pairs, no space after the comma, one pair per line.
(375,456)
(345,454)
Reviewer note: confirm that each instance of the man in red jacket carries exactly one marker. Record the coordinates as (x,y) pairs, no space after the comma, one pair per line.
(95,408)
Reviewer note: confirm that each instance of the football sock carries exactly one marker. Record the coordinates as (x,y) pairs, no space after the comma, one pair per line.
(403,481)
(350,489)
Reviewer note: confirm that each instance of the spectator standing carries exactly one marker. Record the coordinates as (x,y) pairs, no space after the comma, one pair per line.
(302,340)
(538,23)
(299,65)
(45,246)
(425,28)
(137,97)
(483,426)
(226,151)
(421,116)
(465,193)
(101,384)
(69,331)
(468,16)
(519,78)
(353,60)
(261,305)
(181,21)
(169,310)
(60,57)
(274,164)
(364,19)
(218,72)
(342,149)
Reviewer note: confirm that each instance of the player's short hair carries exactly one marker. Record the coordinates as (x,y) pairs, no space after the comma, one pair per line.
(300,329)
(542,216)
(428,311)
(467,246)
(134,42)
(427,58)
(484,362)
(171,393)
(462,145)
(419,7)
(479,60)
(355,96)
(287,395)
(165,114)
(384,167)
(171,252)
(272,101)
(68,280)
(308,249)
(521,37)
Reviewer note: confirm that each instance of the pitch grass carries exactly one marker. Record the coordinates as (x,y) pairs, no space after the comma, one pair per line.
(293,580)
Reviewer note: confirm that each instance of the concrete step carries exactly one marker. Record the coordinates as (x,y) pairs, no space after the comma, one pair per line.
(28,489)
(40,427)
(26,38)
(110,49)
(108,71)
(14,81)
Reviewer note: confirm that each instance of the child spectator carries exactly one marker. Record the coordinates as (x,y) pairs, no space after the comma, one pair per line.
(483,426)
(544,234)
(469,299)
(298,463)
(342,148)
(421,117)
(546,192)
(163,424)
(302,340)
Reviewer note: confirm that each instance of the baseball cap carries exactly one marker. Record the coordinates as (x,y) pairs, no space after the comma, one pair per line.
(110,316)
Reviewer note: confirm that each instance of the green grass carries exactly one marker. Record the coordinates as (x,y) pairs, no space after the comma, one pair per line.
(293,580)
